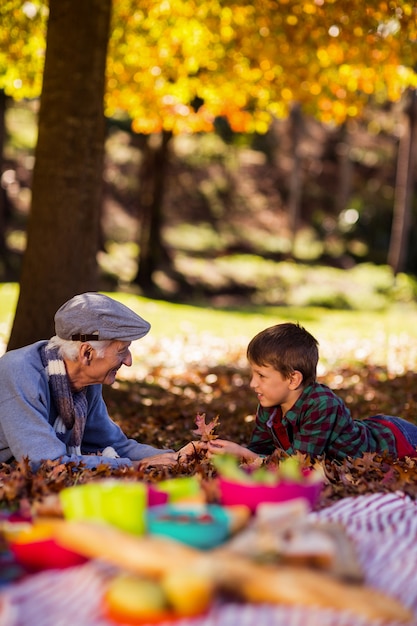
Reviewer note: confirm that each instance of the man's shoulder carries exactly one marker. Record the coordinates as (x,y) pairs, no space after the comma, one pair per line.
(27,355)
(22,373)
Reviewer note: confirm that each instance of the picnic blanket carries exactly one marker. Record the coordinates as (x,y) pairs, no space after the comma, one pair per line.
(382,527)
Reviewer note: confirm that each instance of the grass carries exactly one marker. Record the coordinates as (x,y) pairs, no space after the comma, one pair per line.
(9,293)
(169,319)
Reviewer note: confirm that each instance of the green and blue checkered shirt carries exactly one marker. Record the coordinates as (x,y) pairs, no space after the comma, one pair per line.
(319,424)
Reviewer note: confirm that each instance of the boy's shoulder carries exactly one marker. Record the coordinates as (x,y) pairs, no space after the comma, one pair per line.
(320,390)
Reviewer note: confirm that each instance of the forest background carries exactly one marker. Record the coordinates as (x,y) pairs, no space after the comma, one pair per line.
(283,130)
(245,159)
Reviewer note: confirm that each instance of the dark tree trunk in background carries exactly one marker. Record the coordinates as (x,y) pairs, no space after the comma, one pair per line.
(152,253)
(3,192)
(63,232)
(345,169)
(296,184)
(403,199)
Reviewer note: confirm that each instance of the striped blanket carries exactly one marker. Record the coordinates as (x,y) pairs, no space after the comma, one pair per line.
(383,528)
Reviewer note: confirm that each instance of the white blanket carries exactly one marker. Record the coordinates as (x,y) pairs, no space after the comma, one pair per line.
(383,528)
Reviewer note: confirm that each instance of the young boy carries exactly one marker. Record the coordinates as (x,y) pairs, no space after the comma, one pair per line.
(296,413)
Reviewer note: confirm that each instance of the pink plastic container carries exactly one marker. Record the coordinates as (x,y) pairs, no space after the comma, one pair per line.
(156,497)
(252,494)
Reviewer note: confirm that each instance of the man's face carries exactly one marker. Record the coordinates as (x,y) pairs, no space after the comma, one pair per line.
(103,369)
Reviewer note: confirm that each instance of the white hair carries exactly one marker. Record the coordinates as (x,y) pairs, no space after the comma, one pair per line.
(68,349)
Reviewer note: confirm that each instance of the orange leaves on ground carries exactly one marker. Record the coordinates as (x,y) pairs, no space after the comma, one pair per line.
(25,491)
(371,473)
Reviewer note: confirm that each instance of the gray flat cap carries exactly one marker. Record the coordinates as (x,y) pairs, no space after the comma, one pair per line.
(94,316)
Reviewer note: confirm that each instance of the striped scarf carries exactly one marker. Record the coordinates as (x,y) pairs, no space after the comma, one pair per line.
(71,407)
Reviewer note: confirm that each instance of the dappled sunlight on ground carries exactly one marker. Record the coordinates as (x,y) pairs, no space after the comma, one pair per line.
(397,353)
(171,356)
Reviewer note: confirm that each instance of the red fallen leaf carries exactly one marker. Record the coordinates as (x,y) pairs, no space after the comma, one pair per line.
(205,431)
(389,477)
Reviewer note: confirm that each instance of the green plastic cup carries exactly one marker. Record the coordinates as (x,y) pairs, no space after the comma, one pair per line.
(121,504)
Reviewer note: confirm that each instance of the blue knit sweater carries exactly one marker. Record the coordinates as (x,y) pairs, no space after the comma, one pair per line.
(27,413)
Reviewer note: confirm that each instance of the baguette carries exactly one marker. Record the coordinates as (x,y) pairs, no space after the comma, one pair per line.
(157,557)
(152,556)
(298,586)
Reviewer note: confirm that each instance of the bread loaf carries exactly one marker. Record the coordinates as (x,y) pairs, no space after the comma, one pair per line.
(281,584)
(300,586)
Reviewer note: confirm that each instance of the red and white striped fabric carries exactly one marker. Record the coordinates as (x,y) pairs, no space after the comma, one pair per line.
(383,528)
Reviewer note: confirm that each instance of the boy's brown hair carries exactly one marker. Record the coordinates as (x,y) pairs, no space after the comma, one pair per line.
(286,347)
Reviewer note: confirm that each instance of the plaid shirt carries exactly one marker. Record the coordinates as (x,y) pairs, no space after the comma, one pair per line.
(319,423)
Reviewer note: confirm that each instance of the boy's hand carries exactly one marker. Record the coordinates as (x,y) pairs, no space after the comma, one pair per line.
(222,446)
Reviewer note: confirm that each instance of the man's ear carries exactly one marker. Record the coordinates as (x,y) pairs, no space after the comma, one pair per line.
(296,379)
(86,352)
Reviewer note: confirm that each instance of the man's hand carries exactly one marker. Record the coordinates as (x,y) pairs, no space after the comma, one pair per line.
(190,449)
(168,459)
(157,460)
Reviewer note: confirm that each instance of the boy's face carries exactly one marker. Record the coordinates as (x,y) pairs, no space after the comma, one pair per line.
(272,388)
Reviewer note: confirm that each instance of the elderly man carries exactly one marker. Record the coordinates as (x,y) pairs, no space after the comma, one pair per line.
(51,403)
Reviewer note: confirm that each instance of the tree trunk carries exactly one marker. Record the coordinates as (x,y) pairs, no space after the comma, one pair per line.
(406,160)
(345,169)
(296,184)
(152,254)
(3,192)
(63,231)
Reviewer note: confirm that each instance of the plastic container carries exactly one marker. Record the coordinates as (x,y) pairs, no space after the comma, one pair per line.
(44,554)
(251,494)
(120,503)
(35,549)
(202,527)
(156,496)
